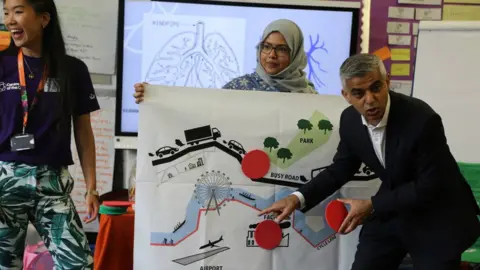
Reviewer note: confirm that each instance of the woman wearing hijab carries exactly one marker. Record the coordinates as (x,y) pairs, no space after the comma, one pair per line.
(281,59)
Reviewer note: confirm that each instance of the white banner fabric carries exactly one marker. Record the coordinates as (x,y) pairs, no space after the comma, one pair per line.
(196,208)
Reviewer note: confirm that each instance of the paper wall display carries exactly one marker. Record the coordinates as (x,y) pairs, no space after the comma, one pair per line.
(5,39)
(384,53)
(402,40)
(91,33)
(462,1)
(402,86)
(400,69)
(461,13)
(401,12)
(421,2)
(210,160)
(401,54)
(428,14)
(398,27)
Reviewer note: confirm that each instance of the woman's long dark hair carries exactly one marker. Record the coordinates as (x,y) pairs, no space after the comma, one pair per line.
(54,55)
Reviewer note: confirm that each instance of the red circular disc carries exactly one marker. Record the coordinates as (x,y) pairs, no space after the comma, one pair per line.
(256,164)
(335,213)
(117,203)
(268,234)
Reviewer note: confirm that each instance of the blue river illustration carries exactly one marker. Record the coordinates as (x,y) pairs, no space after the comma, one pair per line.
(198,201)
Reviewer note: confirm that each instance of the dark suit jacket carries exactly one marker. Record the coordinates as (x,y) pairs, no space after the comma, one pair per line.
(422,187)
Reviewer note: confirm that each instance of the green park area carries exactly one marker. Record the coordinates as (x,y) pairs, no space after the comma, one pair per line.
(312,133)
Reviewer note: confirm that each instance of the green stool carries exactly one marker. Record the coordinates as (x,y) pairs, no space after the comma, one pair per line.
(112,210)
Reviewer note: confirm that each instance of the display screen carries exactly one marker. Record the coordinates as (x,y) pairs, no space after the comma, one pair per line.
(207,44)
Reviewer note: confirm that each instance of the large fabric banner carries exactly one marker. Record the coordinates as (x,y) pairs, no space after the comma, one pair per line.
(210,160)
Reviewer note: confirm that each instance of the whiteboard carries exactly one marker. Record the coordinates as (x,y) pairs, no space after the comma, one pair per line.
(446,77)
(90,31)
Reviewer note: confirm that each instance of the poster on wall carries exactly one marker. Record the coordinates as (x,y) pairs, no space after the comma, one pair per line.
(394,32)
(210,160)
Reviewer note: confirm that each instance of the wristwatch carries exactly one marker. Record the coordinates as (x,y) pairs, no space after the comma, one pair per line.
(91,192)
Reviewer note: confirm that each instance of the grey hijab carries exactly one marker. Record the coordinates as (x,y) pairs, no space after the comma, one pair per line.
(292,78)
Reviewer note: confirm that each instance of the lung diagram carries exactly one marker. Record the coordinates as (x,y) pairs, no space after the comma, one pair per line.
(194,59)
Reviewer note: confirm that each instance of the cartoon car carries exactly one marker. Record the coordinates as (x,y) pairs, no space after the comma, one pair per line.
(166,150)
(236,146)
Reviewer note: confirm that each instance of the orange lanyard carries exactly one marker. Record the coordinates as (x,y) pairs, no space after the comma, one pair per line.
(23,88)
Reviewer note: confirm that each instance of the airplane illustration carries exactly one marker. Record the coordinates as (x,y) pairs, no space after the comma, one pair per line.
(212,244)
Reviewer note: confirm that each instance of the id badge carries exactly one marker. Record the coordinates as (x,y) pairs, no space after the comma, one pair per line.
(22,142)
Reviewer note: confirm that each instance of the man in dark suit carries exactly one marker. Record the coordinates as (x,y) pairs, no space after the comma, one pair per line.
(423,207)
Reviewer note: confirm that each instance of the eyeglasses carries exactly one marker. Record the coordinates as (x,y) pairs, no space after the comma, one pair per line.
(280,50)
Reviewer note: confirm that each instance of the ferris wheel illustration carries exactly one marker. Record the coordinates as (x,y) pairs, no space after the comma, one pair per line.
(212,189)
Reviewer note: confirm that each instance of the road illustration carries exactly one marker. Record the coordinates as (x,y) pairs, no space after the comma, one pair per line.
(213,193)
(204,137)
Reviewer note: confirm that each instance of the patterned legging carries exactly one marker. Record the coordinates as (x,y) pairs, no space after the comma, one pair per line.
(40,194)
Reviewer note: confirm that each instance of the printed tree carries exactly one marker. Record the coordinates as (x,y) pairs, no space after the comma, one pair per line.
(270,143)
(304,124)
(284,153)
(325,125)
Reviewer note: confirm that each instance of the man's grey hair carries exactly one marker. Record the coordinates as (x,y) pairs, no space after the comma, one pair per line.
(359,65)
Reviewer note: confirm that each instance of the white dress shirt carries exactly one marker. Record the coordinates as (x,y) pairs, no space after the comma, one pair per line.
(377,136)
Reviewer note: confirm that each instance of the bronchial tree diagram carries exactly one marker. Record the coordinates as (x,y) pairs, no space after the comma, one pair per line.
(314,65)
(193,55)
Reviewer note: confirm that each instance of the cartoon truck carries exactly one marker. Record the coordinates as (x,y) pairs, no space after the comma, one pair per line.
(196,135)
